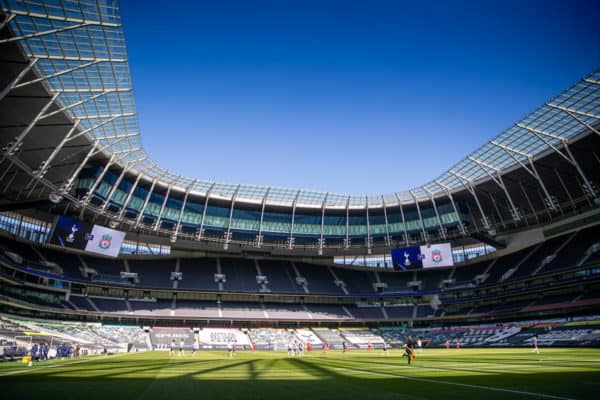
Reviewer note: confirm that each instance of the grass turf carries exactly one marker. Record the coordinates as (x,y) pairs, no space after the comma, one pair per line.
(435,374)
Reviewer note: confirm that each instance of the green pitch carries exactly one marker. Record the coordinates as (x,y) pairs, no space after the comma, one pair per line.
(435,374)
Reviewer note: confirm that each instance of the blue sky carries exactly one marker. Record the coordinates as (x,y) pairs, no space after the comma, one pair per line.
(351,97)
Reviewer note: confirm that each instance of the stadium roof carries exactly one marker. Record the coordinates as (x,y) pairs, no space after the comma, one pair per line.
(79,52)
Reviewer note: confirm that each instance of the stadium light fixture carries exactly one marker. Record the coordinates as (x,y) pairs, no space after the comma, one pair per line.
(55,198)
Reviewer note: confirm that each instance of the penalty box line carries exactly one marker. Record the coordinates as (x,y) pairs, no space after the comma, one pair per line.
(467,385)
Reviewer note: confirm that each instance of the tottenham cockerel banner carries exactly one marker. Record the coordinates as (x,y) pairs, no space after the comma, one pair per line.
(105,241)
(69,232)
(416,257)
(407,258)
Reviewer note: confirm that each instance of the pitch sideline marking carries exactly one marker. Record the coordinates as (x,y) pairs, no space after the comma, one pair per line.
(492,388)
(21,371)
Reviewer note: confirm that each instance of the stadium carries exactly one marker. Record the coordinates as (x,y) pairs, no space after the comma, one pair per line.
(121,277)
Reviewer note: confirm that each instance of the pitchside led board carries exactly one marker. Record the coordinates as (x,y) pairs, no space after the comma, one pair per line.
(80,235)
(417,257)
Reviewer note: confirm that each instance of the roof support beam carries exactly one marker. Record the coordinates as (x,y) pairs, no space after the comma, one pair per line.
(259,237)
(369,239)
(291,237)
(567,192)
(76,58)
(424,235)
(585,114)
(6,21)
(6,169)
(59,73)
(551,201)
(118,136)
(27,170)
(582,122)
(88,197)
(78,103)
(101,124)
(537,220)
(113,189)
(228,232)
(468,184)
(19,139)
(12,84)
(567,155)
(66,187)
(90,90)
(321,243)
(182,210)
(98,116)
(44,33)
(60,18)
(129,196)
(404,227)
(461,227)
(541,136)
(347,239)
(572,113)
(162,208)
(388,239)
(495,204)
(138,220)
(540,132)
(124,151)
(516,215)
(201,230)
(437,214)
(45,165)
(587,185)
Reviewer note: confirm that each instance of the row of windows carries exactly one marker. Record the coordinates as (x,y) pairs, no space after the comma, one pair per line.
(277,222)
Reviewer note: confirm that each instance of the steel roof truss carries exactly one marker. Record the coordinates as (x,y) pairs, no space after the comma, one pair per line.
(461,227)
(437,214)
(404,228)
(45,165)
(12,84)
(388,240)
(201,229)
(469,186)
(259,237)
(19,139)
(500,182)
(291,237)
(321,238)
(228,232)
(129,195)
(532,170)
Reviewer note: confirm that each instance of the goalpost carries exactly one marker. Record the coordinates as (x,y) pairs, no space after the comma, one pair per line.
(23,341)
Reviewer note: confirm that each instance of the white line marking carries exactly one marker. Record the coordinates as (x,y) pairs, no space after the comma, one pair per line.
(33,369)
(492,388)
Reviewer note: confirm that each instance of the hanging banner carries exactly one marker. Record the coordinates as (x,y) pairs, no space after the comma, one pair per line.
(437,255)
(105,241)
(417,257)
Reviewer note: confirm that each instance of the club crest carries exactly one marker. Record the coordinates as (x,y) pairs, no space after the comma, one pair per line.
(105,242)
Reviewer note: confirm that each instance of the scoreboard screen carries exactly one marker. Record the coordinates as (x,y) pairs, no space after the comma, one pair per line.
(417,257)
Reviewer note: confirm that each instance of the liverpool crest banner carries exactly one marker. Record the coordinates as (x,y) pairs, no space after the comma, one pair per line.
(437,255)
(105,241)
